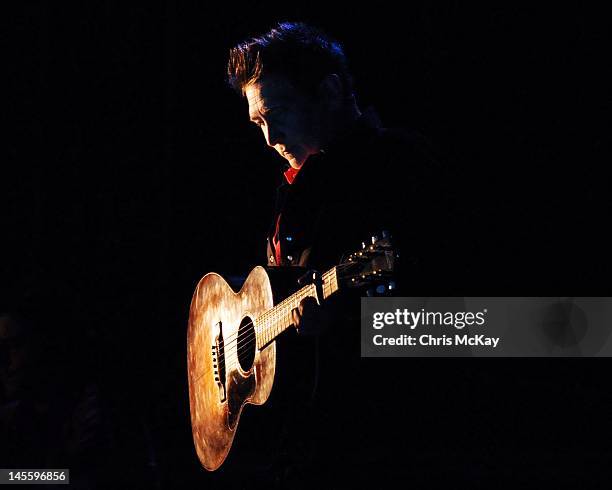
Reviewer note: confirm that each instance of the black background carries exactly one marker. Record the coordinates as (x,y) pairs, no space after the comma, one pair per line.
(132,171)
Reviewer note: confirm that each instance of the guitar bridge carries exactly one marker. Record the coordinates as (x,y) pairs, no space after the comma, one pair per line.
(218,359)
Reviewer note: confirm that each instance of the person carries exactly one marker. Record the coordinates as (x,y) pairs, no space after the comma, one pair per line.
(345,179)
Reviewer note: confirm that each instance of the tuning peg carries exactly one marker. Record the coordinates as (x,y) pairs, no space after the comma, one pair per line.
(386,234)
(374,239)
(363,245)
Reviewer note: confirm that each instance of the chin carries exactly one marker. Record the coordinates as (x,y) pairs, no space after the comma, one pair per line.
(295,163)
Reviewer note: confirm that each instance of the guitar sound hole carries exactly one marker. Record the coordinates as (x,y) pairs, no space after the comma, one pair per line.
(246,344)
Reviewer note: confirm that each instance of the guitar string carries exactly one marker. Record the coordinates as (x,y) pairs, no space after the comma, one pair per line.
(326,275)
(304,292)
(241,353)
(247,339)
(244,339)
(268,313)
(266,330)
(252,333)
(240,356)
(251,336)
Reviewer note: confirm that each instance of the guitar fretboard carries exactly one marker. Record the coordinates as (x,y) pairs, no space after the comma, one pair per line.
(277,319)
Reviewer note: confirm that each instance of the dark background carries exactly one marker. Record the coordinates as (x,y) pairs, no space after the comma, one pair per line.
(132,171)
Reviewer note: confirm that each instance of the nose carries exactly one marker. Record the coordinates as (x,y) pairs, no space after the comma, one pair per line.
(273,135)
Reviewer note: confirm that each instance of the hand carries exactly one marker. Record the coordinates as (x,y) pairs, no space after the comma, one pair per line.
(309,318)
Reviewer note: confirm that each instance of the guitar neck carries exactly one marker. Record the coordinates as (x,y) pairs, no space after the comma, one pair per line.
(278,319)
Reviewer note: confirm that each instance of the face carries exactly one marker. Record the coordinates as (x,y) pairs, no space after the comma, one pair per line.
(289,119)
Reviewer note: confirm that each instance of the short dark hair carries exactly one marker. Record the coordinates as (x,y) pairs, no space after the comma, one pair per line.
(302,53)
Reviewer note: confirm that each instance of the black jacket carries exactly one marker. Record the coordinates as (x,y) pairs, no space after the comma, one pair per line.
(368,180)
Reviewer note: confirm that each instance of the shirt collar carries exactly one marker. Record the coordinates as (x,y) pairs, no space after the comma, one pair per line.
(291,173)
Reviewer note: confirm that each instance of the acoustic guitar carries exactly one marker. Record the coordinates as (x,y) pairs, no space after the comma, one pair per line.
(231,348)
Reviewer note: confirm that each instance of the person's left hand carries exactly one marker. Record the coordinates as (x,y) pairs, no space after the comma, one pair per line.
(309,318)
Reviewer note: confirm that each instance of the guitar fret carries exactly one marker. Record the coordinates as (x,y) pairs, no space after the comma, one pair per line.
(276,320)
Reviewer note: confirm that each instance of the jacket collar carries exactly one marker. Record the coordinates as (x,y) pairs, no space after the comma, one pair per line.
(362,126)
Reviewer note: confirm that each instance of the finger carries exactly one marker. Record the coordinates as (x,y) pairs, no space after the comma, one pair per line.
(308,305)
(310,300)
(295,317)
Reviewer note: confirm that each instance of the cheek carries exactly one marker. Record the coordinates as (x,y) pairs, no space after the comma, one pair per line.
(307,131)
(300,120)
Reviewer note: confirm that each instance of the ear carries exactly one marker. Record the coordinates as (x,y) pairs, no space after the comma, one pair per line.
(330,90)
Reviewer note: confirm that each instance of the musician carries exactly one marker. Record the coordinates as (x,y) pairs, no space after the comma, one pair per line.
(345,178)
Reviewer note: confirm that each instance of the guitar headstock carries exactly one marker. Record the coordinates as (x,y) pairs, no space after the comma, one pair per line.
(371,267)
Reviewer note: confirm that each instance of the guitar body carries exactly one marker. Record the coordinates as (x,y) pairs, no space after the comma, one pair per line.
(226,370)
